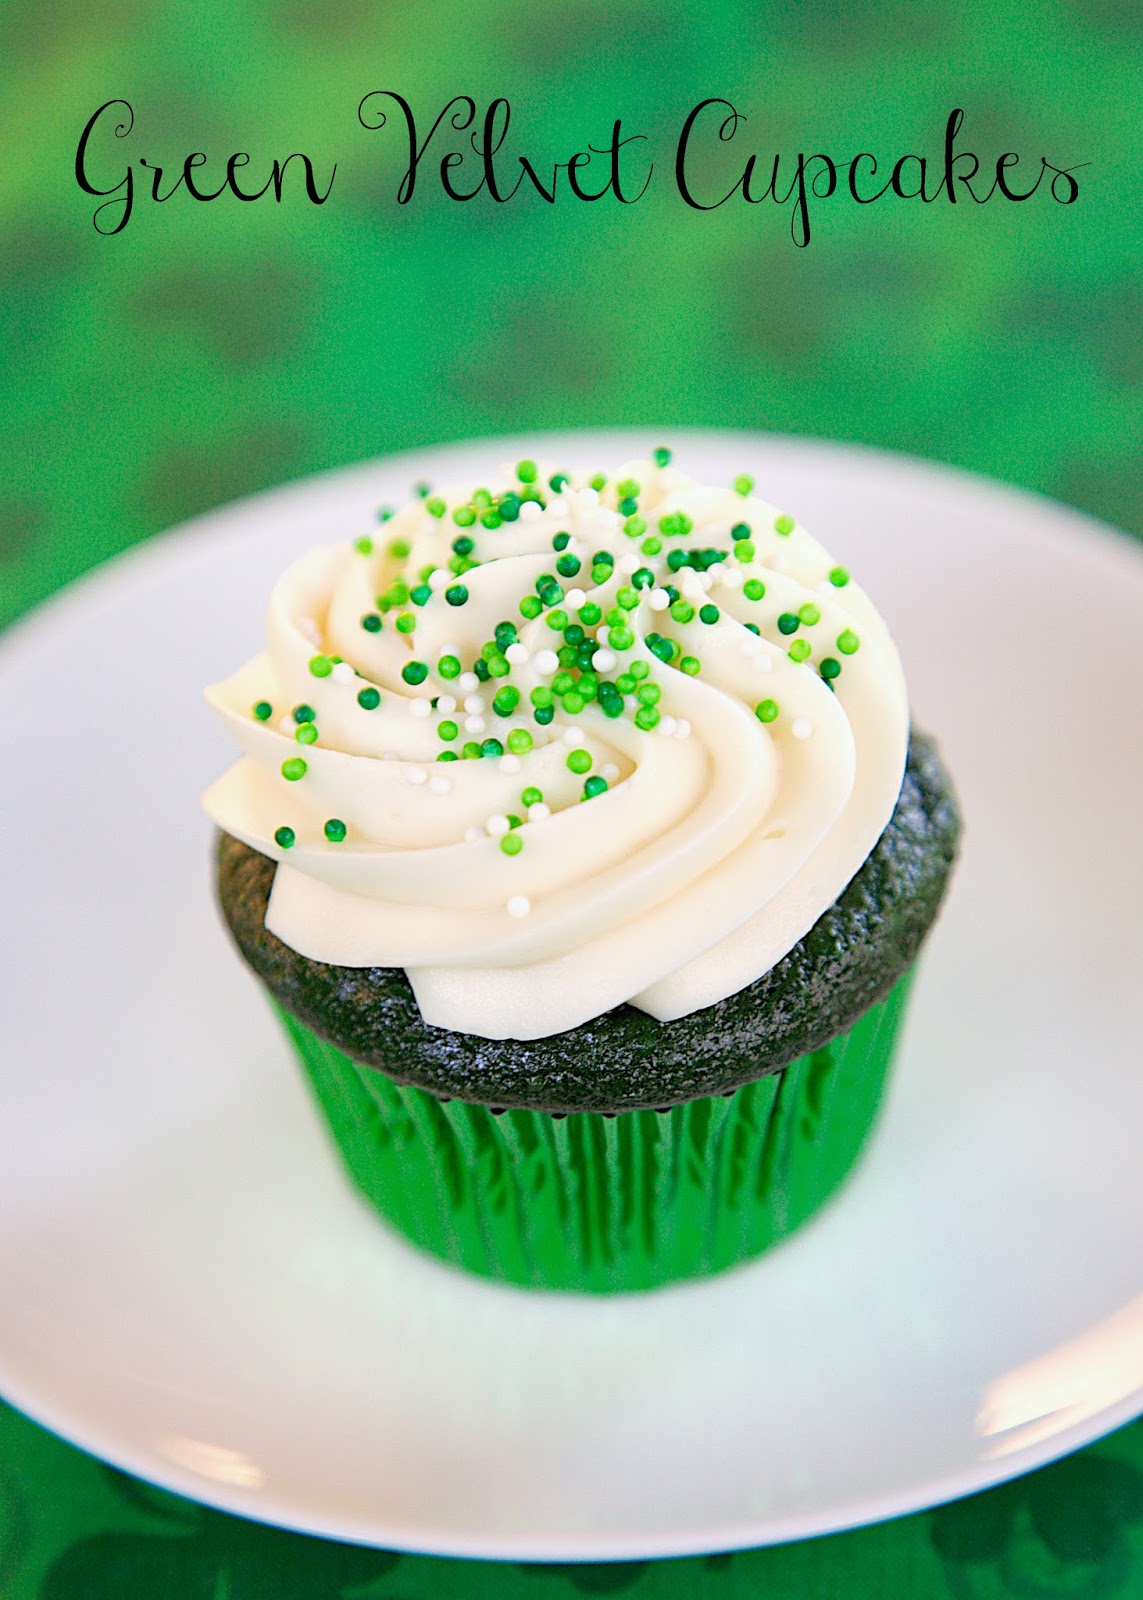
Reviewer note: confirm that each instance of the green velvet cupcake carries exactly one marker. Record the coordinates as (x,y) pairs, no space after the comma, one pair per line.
(714,892)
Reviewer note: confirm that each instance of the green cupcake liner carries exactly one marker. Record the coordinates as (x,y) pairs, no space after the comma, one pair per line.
(600,1203)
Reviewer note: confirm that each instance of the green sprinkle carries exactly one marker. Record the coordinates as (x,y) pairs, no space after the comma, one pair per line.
(263,710)
(369,699)
(620,638)
(627,598)
(456,594)
(448,755)
(574,702)
(839,577)
(499,666)
(809,614)
(421,489)
(708,614)
(567,566)
(635,527)
(800,650)
(579,761)
(590,614)
(519,742)
(744,550)
(406,622)
(480,667)
(509,507)
(830,668)
(690,665)
(639,670)
(649,693)
(284,837)
(766,710)
(307,733)
(848,642)
(558,482)
(541,695)
(665,649)
(384,513)
(625,683)
(599,482)
(399,549)
(754,589)
(562,682)
(532,796)
(371,622)
(491,519)
(783,524)
(511,844)
(464,516)
(652,545)
(364,546)
(683,611)
(294,768)
(557,620)
(321,666)
(544,714)
(527,471)
(491,747)
(414,672)
(531,606)
(448,667)
(421,595)
(447,731)
(642,578)
(335,830)
(560,541)
(647,717)
(593,786)
(743,484)
(471,751)
(506,700)
(462,545)
(435,506)
(788,622)
(662,456)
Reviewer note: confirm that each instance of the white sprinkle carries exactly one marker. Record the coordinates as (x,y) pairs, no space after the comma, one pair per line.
(474,704)
(603,660)
(750,645)
(497,825)
(629,563)
(419,708)
(572,734)
(706,581)
(682,729)
(439,786)
(467,682)
(446,703)
(659,599)
(731,577)
(343,672)
(530,510)
(693,589)
(473,833)
(666,726)
(589,497)
(474,724)
(442,578)
(575,598)
(539,811)
(516,654)
(763,662)
(545,662)
(416,775)
(609,771)
(287,725)
(509,763)
(801,728)
(518,906)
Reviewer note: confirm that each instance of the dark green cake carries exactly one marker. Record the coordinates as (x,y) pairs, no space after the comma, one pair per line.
(625,1060)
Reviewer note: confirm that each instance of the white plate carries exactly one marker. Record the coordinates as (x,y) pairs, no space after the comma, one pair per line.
(189,1288)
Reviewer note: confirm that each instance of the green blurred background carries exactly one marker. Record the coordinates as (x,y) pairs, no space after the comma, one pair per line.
(207,351)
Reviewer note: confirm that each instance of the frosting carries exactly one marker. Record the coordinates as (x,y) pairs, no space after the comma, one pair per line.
(553,743)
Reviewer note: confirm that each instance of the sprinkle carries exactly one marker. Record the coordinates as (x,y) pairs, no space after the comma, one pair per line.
(708,614)
(579,761)
(666,725)
(519,741)
(800,650)
(467,682)
(848,642)
(509,763)
(531,606)
(690,665)
(445,704)
(474,704)
(659,599)
(545,662)
(371,622)
(414,672)
(343,673)
(440,784)
(509,506)
(491,747)
(447,730)
(743,484)
(497,825)
(263,710)
(830,668)
(766,710)
(335,830)
(284,837)
(321,666)
(368,699)
(661,456)
(448,667)
(456,594)
(594,786)
(307,733)
(839,577)
(538,811)
(568,565)
(801,728)
(506,700)
(518,906)
(527,471)
(474,724)
(809,614)
(604,660)
(363,546)
(788,622)
(646,718)
(416,775)
(530,510)
(463,516)
(783,524)
(754,589)
(682,729)
(294,768)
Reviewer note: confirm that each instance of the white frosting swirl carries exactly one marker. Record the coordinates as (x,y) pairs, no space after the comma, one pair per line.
(732,793)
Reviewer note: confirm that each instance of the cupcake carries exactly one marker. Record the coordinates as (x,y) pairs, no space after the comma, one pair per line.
(582,844)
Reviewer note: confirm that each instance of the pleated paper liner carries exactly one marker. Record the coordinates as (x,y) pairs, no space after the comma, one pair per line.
(606,1203)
